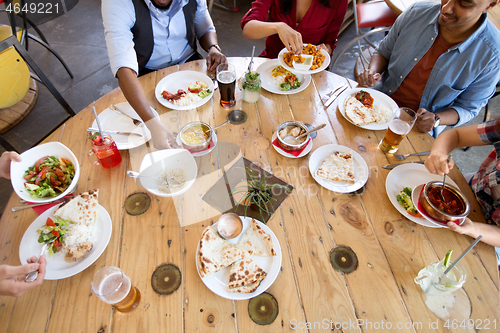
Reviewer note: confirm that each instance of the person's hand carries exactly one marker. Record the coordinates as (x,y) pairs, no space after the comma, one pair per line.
(425,120)
(437,163)
(12,277)
(5,160)
(467,228)
(162,136)
(368,78)
(325,47)
(291,38)
(214,59)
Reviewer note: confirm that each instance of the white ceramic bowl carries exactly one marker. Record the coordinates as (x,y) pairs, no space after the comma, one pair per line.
(306,65)
(158,160)
(30,157)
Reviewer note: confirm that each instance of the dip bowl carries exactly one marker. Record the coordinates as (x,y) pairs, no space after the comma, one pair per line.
(195,136)
(457,206)
(287,145)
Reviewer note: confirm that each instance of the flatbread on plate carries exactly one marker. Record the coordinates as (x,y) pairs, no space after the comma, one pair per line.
(245,276)
(216,253)
(360,114)
(81,209)
(337,167)
(256,241)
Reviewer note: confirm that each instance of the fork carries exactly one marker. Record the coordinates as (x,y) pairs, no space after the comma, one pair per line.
(402,157)
(31,276)
(136,122)
(334,90)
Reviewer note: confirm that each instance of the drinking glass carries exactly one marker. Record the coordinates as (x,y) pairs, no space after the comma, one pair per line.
(226,78)
(433,281)
(105,150)
(113,286)
(250,87)
(398,128)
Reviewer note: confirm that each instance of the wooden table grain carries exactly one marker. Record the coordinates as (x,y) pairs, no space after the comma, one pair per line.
(380,296)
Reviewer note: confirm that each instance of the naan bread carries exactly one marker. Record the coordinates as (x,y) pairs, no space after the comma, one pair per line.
(245,276)
(337,167)
(216,253)
(357,112)
(256,241)
(81,209)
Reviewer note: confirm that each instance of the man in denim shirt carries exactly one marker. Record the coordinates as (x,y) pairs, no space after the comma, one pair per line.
(442,59)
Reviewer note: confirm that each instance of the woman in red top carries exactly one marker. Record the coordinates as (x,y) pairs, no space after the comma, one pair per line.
(291,23)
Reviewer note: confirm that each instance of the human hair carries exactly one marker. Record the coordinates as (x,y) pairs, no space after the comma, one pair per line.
(286,5)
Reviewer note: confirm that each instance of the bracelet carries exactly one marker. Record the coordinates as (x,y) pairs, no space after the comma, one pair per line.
(216,46)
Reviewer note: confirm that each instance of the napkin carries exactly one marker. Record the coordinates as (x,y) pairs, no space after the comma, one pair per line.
(293,152)
(42,208)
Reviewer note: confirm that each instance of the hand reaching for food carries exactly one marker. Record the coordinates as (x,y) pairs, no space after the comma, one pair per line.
(163,138)
(290,38)
(437,163)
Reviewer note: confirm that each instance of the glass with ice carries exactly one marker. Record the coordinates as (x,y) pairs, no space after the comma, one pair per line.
(434,282)
(113,286)
(398,128)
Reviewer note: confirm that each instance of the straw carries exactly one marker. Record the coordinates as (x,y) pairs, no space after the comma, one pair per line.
(251,61)
(463,254)
(97,121)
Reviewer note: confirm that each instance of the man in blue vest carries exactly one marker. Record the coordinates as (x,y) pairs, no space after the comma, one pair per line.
(147,35)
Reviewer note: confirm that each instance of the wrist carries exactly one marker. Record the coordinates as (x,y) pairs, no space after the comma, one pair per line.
(214,46)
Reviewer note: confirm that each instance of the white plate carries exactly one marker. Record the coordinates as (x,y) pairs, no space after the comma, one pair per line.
(309,71)
(29,159)
(411,175)
(218,282)
(115,121)
(379,98)
(267,82)
(287,154)
(361,171)
(203,152)
(57,267)
(182,80)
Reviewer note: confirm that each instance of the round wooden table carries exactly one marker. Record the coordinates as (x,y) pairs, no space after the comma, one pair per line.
(379,296)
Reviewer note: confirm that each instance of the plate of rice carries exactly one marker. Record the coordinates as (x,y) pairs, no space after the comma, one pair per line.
(181,81)
(58,267)
(375,117)
(271,82)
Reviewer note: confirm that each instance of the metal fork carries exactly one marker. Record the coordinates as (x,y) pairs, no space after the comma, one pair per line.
(336,89)
(136,121)
(403,157)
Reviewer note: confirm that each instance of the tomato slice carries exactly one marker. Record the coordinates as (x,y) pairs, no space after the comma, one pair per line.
(40,161)
(49,222)
(55,233)
(417,214)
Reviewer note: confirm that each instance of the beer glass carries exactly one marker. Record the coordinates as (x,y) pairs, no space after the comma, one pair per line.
(113,286)
(434,283)
(226,78)
(398,128)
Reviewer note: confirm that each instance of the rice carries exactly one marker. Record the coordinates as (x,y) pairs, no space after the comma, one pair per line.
(76,234)
(171,180)
(187,100)
(381,114)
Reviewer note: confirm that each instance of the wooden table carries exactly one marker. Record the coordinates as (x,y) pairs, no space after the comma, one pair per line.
(398,6)
(310,222)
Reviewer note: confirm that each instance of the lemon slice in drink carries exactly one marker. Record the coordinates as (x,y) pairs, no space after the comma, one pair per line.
(446,261)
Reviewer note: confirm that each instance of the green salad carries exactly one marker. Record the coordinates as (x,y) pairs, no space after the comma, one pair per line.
(49,177)
(52,233)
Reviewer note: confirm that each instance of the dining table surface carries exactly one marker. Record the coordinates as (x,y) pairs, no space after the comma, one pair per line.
(312,296)
(398,6)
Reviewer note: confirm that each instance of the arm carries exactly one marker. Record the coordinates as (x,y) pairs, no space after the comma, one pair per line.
(291,38)
(5,160)
(426,120)
(490,233)
(446,142)
(214,57)
(12,277)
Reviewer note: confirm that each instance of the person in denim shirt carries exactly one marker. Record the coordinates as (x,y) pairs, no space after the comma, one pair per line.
(442,59)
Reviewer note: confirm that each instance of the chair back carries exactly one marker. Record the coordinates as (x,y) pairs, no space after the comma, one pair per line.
(373,14)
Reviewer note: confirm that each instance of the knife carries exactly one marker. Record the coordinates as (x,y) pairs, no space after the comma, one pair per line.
(392,166)
(336,94)
(136,121)
(90,129)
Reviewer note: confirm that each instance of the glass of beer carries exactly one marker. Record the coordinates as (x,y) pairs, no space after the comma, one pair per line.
(226,78)
(399,127)
(113,286)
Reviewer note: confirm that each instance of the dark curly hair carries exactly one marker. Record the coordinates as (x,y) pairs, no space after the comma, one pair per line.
(286,5)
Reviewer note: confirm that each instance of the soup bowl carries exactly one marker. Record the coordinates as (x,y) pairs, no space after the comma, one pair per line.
(195,136)
(288,145)
(455,208)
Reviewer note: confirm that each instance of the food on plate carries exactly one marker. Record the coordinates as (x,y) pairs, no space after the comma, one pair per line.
(245,276)
(216,253)
(196,92)
(404,199)
(229,226)
(171,180)
(360,114)
(451,204)
(49,177)
(72,230)
(256,241)
(195,134)
(318,56)
(288,134)
(337,167)
(285,79)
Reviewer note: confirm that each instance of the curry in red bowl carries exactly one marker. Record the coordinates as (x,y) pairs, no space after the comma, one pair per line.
(451,206)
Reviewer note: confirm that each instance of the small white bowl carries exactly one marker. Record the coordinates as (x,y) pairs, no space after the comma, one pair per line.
(30,157)
(306,65)
(158,160)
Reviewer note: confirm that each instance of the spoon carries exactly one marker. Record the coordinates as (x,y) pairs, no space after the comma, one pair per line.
(31,276)
(170,181)
(235,117)
(444,179)
(296,138)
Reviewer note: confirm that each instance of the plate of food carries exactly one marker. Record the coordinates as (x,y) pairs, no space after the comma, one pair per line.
(409,176)
(46,173)
(321,59)
(112,120)
(241,268)
(77,233)
(367,108)
(184,90)
(273,75)
(338,168)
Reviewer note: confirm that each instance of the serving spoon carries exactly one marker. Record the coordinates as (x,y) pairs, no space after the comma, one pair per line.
(296,138)
(444,179)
